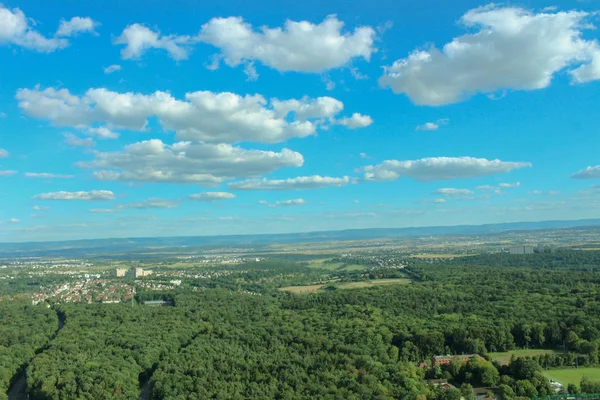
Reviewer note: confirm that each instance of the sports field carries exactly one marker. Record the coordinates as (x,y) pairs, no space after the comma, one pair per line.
(348,285)
(572,375)
(504,357)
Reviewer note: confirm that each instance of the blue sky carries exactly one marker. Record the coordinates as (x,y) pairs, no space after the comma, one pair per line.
(122,119)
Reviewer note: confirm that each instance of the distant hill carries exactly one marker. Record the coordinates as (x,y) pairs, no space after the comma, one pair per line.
(111,246)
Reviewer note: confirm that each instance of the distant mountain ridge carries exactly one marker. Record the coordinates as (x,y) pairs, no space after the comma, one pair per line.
(78,247)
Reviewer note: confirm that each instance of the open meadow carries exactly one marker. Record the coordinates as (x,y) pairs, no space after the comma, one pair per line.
(504,357)
(572,375)
(347,285)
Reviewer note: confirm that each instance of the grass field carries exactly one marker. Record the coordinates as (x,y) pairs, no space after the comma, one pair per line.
(573,375)
(440,255)
(504,358)
(349,285)
(375,282)
(301,289)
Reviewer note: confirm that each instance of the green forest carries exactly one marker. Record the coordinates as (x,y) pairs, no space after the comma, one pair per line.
(217,342)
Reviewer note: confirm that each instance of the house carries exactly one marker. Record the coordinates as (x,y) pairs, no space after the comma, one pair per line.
(445,360)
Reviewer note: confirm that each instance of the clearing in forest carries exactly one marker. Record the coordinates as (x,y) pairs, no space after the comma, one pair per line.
(348,285)
(572,375)
(504,357)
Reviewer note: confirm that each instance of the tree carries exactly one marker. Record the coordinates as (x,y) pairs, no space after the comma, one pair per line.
(506,392)
(466,391)
(572,388)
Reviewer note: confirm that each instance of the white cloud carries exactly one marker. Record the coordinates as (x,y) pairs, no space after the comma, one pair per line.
(211,196)
(452,192)
(138,39)
(102,132)
(250,71)
(485,187)
(112,68)
(548,193)
(438,201)
(103,210)
(15,29)
(510,48)
(356,74)
(298,46)
(47,175)
(94,195)
(307,108)
(3,153)
(509,185)
(38,208)
(428,126)
(293,202)
(284,203)
(7,172)
(356,121)
(588,173)
(75,141)
(364,155)
(439,168)
(186,162)
(14,220)
(75,26)
(203,116)
(299,183)
(150,203)
(432,126)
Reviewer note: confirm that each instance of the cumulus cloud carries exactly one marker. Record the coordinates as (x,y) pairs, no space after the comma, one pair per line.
(211,196)
(510,48)
(438,201)
(138,39)
(7,172)
(3,153)
(432,126)
(452,192)
(102,133)
(186,162)
(16,29)
(284,203)
(356,121)
(112,68)
(588,173)
(94,195)
(47,175)
(299,46)
(75,26)
(202,116)
(509,185)
(439,168)
(299,183)
(38,208)
(75,141)
(14,220)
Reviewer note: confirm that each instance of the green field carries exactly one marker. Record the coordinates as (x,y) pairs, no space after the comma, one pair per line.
(375,282)
(348,285)
(504,357)
(573,375)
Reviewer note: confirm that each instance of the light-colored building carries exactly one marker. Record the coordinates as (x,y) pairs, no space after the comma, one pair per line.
(133,272)
(521,250)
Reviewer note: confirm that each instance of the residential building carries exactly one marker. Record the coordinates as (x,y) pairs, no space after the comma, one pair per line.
(444,360)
